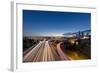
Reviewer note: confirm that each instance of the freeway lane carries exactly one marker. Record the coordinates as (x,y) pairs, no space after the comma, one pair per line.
(54,51)
(61,53)
(47,53)
(29,57)
(44,51)
(38,56)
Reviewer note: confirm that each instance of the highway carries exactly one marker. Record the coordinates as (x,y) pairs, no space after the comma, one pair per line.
(44,51)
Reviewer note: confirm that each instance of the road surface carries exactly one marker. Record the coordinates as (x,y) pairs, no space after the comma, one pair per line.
(44,51)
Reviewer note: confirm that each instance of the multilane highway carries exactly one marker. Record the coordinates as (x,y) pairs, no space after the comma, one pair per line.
(44,51)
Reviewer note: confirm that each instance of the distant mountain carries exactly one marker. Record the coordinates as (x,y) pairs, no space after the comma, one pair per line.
(72,33)
(86,31)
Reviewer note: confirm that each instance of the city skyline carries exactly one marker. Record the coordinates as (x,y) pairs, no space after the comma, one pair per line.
(52,23)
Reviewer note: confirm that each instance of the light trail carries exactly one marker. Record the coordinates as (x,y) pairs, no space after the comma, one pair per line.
(45,51)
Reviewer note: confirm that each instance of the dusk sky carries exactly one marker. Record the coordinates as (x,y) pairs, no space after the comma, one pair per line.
(49,23)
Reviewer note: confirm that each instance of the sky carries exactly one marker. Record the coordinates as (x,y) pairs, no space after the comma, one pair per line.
(52,23)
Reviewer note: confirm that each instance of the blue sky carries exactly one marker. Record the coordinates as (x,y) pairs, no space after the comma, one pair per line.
(49,23)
